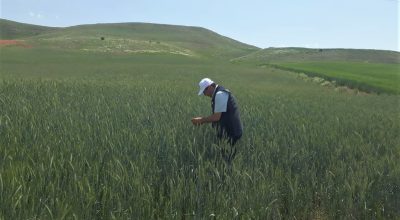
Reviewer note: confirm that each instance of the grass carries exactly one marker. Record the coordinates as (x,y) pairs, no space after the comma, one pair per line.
(371,77)
(14,30)
(87,135)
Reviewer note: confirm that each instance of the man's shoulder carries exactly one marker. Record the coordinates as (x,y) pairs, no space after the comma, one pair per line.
(222,93)
(221,96)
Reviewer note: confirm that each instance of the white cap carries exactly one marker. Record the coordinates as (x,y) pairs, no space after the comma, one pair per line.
(203,84)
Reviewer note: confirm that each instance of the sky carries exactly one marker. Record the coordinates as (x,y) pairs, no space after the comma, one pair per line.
(361,24)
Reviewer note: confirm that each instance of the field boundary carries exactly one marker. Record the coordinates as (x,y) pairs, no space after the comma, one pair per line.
(352,84)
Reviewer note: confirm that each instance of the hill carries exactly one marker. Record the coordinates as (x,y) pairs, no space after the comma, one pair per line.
(15,30)
(135,38)
(293,54)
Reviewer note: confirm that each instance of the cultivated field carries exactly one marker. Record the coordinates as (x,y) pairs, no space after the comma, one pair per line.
(103,135)
(370,77)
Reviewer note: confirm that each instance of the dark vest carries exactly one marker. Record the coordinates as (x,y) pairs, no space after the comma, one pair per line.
(229,124)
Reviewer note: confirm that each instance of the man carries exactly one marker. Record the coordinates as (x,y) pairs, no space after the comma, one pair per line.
(225,115)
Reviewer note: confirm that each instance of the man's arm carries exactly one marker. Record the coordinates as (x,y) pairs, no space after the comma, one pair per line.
(212,118)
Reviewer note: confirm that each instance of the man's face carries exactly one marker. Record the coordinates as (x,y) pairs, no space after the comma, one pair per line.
(208,91)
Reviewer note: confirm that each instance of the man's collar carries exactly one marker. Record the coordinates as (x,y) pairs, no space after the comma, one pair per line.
(216,86)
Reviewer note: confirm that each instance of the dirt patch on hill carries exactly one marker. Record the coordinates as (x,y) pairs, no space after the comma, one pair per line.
(18,43)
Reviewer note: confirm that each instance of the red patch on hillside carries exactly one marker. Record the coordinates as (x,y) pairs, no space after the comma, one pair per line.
(14,42)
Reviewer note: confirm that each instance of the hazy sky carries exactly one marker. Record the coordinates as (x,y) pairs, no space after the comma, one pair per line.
(372,24)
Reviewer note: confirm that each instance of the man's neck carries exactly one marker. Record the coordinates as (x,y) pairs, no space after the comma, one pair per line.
(215,89)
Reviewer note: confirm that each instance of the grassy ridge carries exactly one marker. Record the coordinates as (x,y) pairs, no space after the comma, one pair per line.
(131,38)
(16,30)
(294,54)
(365,76)
(97,135)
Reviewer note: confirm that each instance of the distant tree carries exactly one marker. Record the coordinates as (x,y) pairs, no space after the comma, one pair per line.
(102,38)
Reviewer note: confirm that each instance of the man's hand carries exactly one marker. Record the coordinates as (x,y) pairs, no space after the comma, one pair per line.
(212,118)
(197,120)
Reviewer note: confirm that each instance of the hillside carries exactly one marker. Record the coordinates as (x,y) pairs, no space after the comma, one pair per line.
(137,38)
(284,55)
(128,38)
(15,30)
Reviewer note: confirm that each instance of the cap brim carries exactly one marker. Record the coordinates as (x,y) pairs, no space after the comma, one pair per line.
(201,91)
